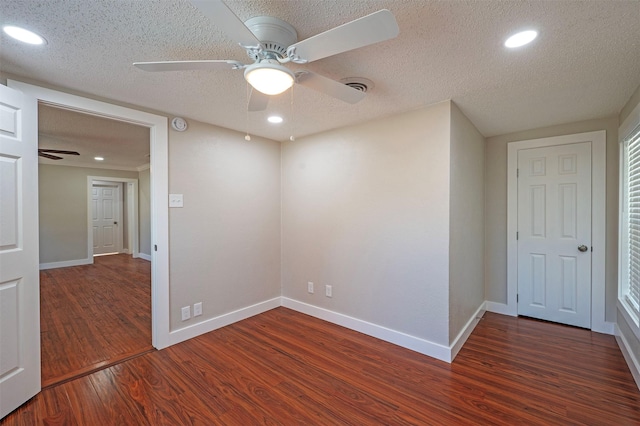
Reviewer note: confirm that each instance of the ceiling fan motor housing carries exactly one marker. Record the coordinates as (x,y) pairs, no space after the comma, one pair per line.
(274,34)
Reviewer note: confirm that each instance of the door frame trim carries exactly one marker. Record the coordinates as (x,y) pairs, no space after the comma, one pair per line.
(598,141)
(131,214)
(159,148)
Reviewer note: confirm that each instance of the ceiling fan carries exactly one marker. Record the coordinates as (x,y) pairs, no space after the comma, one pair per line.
(47,153)
(271,42)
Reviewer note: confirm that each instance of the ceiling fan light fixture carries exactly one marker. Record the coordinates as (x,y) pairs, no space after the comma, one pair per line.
(269,77)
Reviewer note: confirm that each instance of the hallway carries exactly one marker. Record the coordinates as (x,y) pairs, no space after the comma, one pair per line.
(94,316)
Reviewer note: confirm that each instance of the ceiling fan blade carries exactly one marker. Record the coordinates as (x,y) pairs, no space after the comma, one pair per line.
(227,21)
(57,151)
(52,157)
(188,65)
(370,29)
(257,101)
(330,87)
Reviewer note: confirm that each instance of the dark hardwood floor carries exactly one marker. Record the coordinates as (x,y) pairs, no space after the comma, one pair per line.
(93,316)
(286,368)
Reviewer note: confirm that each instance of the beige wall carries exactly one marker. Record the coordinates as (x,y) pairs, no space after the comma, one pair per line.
(63,210)
(496,206)
(225,241)
(365,209)
(144,212)
(466,251)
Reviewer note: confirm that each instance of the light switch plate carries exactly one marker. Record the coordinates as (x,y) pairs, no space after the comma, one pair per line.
(176,200)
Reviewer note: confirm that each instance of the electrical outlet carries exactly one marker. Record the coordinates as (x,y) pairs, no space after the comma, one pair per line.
(310,287)
(197,309)
(186,313)
(328,291)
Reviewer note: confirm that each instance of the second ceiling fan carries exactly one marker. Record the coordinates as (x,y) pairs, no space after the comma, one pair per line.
(48,153)
(271,42)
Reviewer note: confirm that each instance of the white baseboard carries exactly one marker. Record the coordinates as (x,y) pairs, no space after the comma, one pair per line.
(500,308)
(467,330)
(604,327)
(211,324)
(417,344)
(144,256)
(401,339)
(632,361)
(66,263)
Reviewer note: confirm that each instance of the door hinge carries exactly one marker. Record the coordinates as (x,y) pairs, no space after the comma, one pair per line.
(155,247)
(517,172)
(517,298)
(517,235)
(591,249)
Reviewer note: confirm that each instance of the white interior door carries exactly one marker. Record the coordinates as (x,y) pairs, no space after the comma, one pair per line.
(19,277)
(106,218)
(554,233)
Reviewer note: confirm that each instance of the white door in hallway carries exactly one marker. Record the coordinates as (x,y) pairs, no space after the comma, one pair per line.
(106,215)
(19,279)
(554,233)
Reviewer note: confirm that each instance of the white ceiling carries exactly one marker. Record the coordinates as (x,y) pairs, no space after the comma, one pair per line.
(585,63)
(123,145)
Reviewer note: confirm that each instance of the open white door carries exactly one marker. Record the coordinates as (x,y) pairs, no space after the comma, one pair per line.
(19,276)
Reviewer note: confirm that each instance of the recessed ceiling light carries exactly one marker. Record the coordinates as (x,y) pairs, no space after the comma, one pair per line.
(275,119)
(98,158)
(23,35)
(521,38)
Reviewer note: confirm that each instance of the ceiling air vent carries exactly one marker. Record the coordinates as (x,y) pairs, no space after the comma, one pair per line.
(359,83)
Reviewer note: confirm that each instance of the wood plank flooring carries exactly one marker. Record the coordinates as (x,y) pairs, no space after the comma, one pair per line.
(93,316)
(286,368)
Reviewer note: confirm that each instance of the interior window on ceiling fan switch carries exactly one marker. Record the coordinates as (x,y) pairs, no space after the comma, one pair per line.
(176,200)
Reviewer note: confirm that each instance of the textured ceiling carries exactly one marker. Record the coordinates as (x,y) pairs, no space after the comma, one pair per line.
(585,63)
(122,145)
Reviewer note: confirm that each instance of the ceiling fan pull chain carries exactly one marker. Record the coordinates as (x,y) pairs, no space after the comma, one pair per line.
(246,122)
(291,118)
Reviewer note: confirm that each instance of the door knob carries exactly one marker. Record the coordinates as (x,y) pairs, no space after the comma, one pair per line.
(582,248)
(115,223)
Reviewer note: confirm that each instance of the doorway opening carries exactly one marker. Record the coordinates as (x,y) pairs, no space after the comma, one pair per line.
(95,312)
(158,190)
(117,221)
